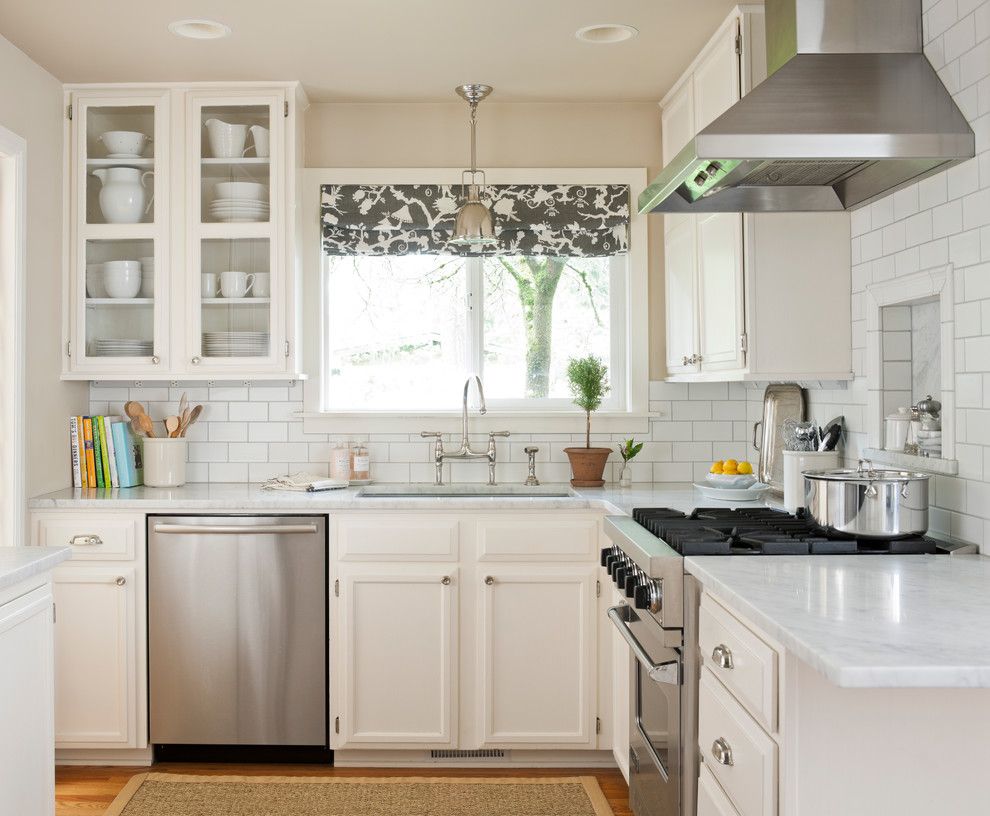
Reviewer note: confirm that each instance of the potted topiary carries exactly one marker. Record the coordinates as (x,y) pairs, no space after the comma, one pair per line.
(588,379)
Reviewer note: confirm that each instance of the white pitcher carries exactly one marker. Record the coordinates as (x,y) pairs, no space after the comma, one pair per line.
(123,194)
(259,135)
(226,140)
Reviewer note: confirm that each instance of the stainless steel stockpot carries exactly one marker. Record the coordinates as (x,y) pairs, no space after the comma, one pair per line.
(868,502)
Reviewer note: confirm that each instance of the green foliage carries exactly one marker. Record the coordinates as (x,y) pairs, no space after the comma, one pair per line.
(588,378)
(629,449)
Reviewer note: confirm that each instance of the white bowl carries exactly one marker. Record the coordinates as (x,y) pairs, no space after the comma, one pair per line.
(124,142)
(739,482)
(94,281)
(122,279)
(250,190)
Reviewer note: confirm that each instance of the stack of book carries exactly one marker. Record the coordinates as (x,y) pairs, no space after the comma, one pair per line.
(105,453)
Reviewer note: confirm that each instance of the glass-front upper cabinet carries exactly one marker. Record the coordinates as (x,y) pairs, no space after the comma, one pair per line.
(119,232)
(235,214)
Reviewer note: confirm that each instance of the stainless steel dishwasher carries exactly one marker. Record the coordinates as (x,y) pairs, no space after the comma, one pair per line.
(237,637)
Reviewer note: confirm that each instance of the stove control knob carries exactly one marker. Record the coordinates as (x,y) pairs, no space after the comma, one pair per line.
(640,596)
(605,554)
(649,596)
(619,576)
(610,562)
(634,580)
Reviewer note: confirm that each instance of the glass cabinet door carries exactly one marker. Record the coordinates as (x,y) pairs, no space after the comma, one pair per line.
(235,216)
(120,223)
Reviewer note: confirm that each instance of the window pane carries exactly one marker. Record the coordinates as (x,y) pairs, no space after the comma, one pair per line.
(540,312)
(397,332)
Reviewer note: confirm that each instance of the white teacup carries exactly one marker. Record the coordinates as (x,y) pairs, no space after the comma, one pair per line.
(262,285)
(122,279)
(94,281)
(235,284)
(209,284)
(148,276)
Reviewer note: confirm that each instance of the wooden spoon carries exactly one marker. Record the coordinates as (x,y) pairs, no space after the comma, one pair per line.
(146,425)
(172,426)
(193,416)
(133,409)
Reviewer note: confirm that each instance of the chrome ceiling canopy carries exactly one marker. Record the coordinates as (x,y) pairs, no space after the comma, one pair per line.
(851,110)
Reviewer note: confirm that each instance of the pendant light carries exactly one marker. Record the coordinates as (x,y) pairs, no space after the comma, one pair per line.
(474,225)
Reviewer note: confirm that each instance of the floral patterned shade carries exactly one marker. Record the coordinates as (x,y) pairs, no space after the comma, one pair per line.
(530,219)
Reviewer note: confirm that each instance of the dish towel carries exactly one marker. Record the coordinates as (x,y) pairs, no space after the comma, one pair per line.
(303,482)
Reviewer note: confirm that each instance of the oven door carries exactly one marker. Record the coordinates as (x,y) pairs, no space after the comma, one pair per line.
(655,715)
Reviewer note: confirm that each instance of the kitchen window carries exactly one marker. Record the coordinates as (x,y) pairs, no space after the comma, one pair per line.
(403,319)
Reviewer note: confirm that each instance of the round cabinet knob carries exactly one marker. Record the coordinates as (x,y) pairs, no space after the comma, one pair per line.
(120,580)
(722,752)
(195,361)
(489,580)
(445,580)
(155,360)
(722,656)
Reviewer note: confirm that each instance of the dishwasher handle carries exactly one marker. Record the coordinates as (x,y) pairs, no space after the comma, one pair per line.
(233,529)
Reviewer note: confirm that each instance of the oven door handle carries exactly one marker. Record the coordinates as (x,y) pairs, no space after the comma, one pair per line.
(667,672)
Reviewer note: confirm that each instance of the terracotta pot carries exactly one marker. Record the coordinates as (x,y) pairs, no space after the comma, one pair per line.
(588,465)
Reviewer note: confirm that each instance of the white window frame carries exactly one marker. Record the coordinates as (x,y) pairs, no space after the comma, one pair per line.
(626,412)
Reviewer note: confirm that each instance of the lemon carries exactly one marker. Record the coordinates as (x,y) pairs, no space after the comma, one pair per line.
(745,468)
(716,467)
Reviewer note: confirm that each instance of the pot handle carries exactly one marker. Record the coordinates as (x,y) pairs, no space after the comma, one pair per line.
(871,491)
(904,490)
(756,427)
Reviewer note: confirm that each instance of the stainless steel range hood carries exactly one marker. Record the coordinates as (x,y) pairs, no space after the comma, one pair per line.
(851,111)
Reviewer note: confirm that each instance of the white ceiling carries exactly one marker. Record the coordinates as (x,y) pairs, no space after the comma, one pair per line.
(374,50)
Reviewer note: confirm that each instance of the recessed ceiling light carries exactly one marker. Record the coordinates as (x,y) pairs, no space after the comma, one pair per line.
(199,29)
(606,33)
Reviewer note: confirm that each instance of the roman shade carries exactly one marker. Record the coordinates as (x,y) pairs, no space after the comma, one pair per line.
(530,219)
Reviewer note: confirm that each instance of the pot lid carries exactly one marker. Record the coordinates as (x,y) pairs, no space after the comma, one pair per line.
(865,476)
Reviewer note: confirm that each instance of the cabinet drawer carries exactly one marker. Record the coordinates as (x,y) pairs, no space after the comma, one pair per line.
(748,770)
(398,538)
(92,536)
(537,538)
(712,800)
(741,660)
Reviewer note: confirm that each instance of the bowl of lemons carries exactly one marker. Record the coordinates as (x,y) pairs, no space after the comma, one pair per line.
(731,473)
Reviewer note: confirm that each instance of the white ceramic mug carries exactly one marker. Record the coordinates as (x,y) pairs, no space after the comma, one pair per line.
(147,276)
(209,285)
(262,285)
(94,281)
(164,461)
(235,284)
(122,279)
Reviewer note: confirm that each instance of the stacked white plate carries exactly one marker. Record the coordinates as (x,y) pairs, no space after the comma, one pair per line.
(235,344)
(123,348)
(239,209)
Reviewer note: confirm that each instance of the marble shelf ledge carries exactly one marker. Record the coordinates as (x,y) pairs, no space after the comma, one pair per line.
(906,461)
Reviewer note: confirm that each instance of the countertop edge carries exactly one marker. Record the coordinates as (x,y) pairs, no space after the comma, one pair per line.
(38,560)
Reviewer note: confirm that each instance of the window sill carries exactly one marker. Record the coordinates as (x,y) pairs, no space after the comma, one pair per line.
(521,422)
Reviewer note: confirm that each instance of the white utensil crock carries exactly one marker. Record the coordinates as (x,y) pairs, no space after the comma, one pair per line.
(164,461)
(795,463)
(896,428)
(226,140)
(122,195)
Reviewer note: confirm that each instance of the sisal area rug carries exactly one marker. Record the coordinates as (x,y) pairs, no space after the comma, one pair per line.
(164,794)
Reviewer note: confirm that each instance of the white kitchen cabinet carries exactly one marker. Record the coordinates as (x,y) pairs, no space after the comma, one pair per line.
(173,327)
(96,660)
(621,688)
(750,315)
(396,656)
(27,751)
(537,660)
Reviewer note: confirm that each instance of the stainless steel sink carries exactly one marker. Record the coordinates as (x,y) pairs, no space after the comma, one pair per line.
(463,491)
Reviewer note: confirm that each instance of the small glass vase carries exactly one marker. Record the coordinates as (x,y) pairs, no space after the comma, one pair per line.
(625,475)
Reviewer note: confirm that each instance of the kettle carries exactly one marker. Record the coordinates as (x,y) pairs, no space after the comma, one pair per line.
(226,139)
(122,194)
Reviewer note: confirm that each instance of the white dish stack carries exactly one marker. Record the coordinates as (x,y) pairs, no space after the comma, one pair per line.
(119,347)
(235,344)
(240,201)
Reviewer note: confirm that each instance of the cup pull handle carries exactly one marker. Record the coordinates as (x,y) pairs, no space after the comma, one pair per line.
(722,656)
(722,752)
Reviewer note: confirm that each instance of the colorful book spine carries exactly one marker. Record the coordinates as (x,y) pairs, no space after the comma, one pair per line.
(109,422)
(90,456)
(128,452)
(104,452)
(97,452)
(74,451)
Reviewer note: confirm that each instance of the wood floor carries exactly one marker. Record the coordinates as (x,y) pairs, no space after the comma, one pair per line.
(88,790)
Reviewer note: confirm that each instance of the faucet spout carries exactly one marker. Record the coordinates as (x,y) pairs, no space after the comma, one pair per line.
(464,413)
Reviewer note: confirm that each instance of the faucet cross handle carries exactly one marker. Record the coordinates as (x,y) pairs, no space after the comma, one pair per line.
(531,480)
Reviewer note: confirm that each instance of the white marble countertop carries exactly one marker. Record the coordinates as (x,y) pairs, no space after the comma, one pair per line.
(20,563)
(893,621)
(227,497)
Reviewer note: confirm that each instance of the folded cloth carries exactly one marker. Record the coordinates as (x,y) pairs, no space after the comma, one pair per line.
(303,482)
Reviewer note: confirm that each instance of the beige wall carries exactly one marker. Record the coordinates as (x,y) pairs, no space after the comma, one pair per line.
(509,135)
(31,106)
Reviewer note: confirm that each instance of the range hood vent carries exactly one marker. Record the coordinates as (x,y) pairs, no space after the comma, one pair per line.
(851,111)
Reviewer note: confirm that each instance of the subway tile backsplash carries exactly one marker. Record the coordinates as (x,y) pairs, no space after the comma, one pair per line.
(250,433)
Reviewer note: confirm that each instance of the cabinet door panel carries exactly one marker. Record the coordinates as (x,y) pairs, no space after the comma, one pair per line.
(395,656)
(681,287)
(716,78)
(95,659)
(677,122)
(720,290)
(537,660)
